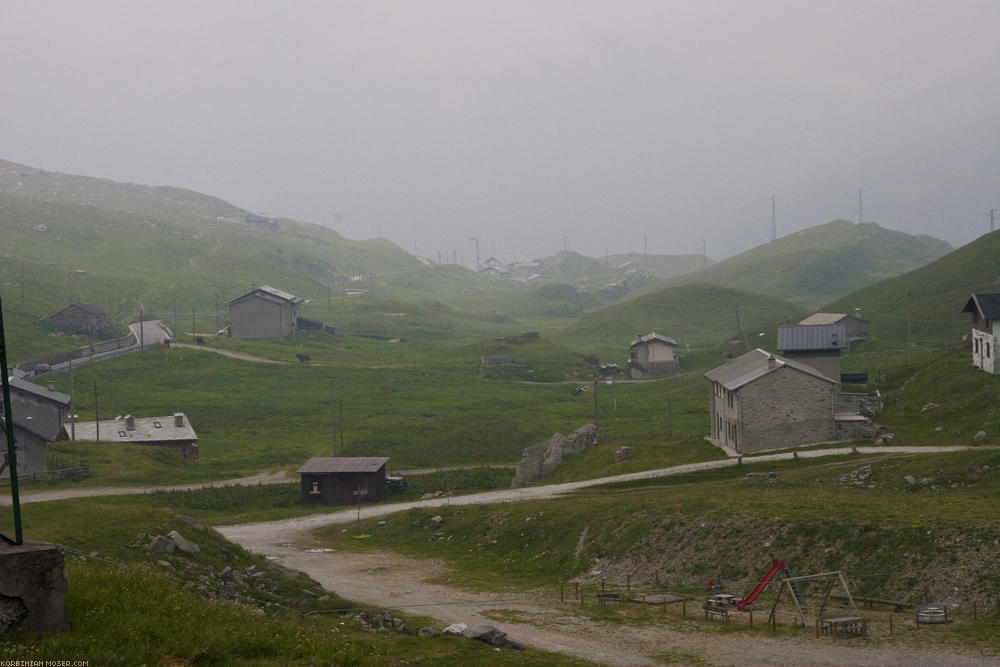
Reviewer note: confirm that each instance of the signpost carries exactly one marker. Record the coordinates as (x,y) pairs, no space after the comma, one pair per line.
(360,492)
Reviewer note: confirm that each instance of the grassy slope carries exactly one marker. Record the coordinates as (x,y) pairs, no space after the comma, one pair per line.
(127,608)
(821,263)
(698,315)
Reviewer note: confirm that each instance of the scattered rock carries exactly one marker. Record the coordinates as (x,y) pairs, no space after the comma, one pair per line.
(910,479)
(162,545)
(979,436)
(426,632)
(857,476)
(183,544)
(165,563)
(622,453)
(455,629)
(437,518)
(929,406)
(490,635)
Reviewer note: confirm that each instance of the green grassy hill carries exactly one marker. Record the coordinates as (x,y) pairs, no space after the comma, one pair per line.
(821,263)
(928,300)
(697,315)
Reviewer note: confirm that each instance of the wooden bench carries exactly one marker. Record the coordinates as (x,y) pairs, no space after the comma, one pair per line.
(716,608)
(842,627)
(611,597)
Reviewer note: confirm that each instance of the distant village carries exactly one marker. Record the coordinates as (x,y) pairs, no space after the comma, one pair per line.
(760,401)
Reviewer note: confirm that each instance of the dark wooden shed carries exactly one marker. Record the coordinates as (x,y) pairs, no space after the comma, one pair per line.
(341,480)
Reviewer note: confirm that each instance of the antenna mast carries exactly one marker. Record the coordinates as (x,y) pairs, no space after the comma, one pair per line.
(774,222)
(476,239)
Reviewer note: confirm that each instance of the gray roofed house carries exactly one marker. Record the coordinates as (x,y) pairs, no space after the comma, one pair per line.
(652,356)
(264,312)
(173,432)
(340,480)
(38,415)
(817,345)
(857,328)
(82,317)
(985,310)
(761,401)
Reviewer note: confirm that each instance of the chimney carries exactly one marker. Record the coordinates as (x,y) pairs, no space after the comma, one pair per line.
(771,361)
(179,419)
(130,422)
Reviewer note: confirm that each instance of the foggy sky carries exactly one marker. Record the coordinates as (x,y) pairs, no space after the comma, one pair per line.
(531,124)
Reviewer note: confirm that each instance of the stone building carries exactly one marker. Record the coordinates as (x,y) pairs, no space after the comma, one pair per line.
(81,317)
(264,312)
(761,402)
(985,310)
(342,480)
(815,345)
(38,415)
(652,356)
(174,432)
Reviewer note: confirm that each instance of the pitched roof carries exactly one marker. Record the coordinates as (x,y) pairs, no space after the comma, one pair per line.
(812,337)
(987,303)
(96,311)
(271,294)
(651,337)
(145,429)
(330,464)
(41,392)
(824,318)
(753,365)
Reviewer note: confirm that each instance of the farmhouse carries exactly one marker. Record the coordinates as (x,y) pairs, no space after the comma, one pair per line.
(343,480)
(512,265)
(81,317)
(38,415)
(985,309)
(761,402)
(173,433)
(857,328)
(815,345)
(264,312)
(652,356)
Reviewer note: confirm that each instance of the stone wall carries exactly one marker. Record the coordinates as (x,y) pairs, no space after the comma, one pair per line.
(786,408)
(542,459)
(32,587)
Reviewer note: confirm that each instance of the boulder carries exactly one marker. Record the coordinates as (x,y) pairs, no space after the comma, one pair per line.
(162,545)
(182,544)
(544,458)
(455,629)
(490,635)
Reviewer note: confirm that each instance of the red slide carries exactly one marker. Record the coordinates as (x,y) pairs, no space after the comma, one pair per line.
(776,566)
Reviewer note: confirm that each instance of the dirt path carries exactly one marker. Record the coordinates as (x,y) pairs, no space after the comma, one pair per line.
(389,580)
(229,353)
(86,492)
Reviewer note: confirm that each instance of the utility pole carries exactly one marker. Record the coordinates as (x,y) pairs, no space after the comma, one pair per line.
(476,240)
(217,306)
(774,222)
(192,322)
(861,216)
(739,326)
(97,415)
(597,424)
(69,274)
(565,243)
(704,255)
(993,227)
(142,339)
(72,403)
(333,421)
(645,252)
(7,426)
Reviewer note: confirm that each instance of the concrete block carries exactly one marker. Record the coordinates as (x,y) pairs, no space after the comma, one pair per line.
(32,587)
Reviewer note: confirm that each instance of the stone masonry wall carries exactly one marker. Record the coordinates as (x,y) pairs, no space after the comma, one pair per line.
(786,408)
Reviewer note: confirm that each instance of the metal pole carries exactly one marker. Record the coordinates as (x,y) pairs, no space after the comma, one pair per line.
(333,421)
(142,334)
(8,429)
(97,416)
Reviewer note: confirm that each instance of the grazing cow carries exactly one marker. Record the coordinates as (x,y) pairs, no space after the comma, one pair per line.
(303,358)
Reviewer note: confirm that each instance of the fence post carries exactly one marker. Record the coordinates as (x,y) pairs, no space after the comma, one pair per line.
(628,583)
(562,595)
(890,625)
(576,589)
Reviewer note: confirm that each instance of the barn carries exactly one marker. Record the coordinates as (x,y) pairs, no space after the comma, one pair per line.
(343,480)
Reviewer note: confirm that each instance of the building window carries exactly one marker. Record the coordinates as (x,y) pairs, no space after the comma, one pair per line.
(975,345)
(315,488)
(987,350)
(121,434)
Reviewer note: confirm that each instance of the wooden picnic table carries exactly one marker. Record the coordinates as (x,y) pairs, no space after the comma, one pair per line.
(842,626)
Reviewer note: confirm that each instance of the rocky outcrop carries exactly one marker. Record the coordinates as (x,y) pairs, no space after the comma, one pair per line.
(542,459)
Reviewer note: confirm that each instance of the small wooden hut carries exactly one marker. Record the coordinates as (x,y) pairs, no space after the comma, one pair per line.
(343,480)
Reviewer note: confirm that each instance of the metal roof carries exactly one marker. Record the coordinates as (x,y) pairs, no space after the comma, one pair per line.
(331,464)
(650,337)
(267,290)
(145,429)
(796,337)
(824,318)
(42,392)
(987,303)
(753,365)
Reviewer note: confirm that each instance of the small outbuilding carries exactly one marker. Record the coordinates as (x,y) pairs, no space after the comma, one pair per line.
(264,312)
(82,318)
(652,356)
(343,480)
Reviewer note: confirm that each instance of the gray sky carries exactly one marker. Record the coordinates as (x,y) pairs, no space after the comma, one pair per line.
(523,122)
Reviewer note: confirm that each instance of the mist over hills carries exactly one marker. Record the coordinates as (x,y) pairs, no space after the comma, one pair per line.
(821,263)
